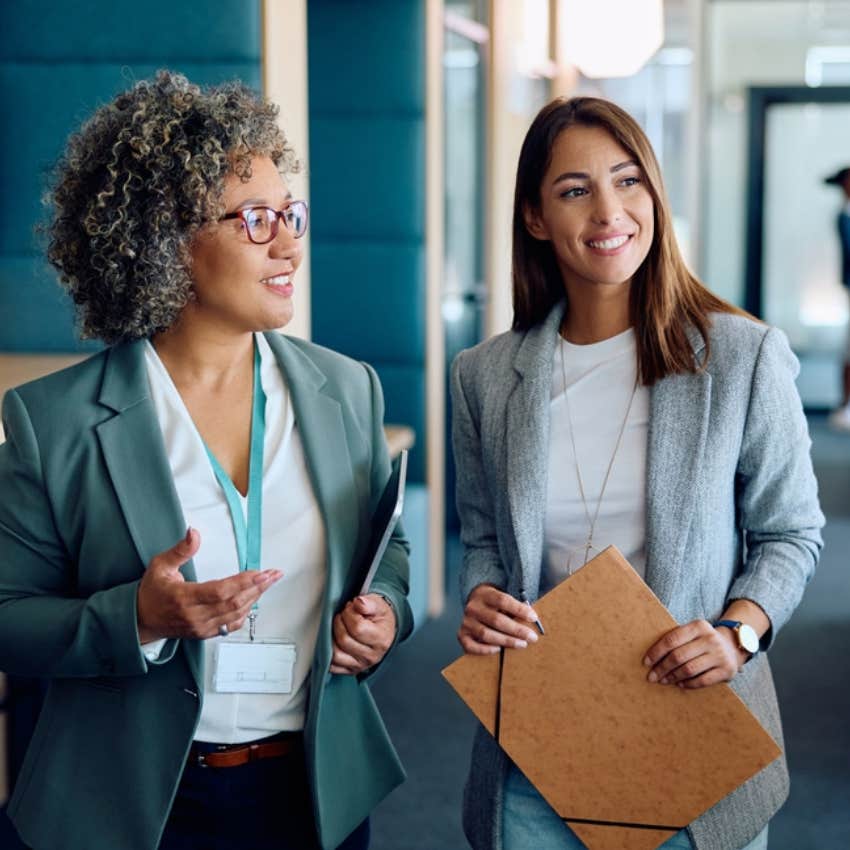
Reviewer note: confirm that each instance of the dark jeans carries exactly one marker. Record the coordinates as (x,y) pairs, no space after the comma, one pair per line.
(263,805)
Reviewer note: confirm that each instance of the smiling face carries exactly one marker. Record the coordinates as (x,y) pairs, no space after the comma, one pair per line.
(595,209)
(239,286)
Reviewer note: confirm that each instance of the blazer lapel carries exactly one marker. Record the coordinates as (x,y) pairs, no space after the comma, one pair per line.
(678,425)
(527,444)
(318,416)
(135,457)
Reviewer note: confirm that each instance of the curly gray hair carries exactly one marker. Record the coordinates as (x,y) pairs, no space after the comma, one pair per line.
(133,187)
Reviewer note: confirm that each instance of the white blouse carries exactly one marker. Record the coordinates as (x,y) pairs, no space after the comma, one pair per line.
(293,540)
(599,380)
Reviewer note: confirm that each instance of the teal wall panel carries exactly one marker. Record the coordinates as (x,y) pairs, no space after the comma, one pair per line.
(404,391)
(363,270)
(367,194)
(35,306)
(95,31)
(58,62)
(367,57)
(371,180)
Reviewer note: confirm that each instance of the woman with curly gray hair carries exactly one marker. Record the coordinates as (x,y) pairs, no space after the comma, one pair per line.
(182,512)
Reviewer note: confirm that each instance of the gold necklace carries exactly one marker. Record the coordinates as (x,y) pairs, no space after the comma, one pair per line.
(591,523)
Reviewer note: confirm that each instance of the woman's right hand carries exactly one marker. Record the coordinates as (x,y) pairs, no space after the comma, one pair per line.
(168,606)
(493,619)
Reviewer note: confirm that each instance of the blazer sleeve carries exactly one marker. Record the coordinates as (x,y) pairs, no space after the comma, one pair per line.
(482,562)
(392,578)
(776,489)
(45,630)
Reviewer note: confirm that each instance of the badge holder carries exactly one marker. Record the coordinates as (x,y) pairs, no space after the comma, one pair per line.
(251,666)
(254,667)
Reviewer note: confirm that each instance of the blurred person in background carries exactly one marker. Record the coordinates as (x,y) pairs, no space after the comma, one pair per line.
(182,512)
(840,417)
(628,406)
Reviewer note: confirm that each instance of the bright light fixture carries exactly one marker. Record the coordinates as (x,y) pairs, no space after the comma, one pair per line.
(610,38)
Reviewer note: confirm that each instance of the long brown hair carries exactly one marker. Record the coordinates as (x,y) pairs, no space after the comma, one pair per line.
(665,297)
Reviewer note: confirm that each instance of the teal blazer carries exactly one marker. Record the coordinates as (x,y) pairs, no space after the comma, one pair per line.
(86,500)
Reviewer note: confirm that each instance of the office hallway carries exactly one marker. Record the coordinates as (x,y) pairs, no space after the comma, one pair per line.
(811,664)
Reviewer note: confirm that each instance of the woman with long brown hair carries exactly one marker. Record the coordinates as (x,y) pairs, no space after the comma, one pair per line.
(630,406)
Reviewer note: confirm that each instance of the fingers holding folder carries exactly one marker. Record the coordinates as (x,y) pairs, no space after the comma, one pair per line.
(588,675)
(493,619)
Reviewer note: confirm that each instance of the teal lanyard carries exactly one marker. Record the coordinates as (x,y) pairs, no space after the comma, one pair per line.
(248,536)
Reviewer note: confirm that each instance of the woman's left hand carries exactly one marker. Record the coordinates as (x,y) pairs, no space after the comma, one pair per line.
(362,632)
(695,655)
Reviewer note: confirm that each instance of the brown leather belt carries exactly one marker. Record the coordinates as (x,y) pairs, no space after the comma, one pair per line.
(234,755)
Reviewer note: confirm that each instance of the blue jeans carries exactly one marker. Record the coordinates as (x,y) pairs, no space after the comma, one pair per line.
(530,823)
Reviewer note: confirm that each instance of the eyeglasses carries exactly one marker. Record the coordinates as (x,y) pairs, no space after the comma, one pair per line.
(261,223)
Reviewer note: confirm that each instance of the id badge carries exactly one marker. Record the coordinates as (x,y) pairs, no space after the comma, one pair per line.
(254,667)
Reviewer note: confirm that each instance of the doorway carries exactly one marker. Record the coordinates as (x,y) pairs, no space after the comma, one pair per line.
(797,137)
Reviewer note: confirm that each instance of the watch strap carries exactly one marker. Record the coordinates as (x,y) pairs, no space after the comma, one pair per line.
(735,625)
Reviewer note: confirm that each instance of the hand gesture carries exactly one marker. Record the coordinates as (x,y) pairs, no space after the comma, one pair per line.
(168,606)
(493,619)
(362,633)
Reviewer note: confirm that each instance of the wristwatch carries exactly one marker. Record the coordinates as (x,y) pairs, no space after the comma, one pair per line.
(745,636)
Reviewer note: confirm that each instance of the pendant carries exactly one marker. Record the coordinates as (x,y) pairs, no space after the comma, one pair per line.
(588,548)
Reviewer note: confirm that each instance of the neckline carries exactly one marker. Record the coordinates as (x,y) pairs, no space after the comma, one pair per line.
(180,405)
(617,344)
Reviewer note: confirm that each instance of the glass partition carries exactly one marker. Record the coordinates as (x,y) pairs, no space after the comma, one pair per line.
(768,233)
(801,277)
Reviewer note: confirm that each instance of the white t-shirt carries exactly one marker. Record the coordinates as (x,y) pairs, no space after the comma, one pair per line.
(599,379)
(293,540)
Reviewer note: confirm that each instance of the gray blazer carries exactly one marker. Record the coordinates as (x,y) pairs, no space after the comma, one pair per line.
(732,512)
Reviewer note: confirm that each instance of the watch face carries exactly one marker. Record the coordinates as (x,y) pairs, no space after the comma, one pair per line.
(748,638)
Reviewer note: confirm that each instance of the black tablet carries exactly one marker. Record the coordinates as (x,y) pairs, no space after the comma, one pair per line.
(384,519)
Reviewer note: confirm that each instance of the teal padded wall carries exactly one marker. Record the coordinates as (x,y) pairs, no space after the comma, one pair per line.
(58,62)
(367,194)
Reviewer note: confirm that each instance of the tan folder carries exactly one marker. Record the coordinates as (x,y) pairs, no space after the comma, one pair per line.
(624,762)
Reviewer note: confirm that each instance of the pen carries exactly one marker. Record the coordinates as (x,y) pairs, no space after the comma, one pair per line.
(524,598)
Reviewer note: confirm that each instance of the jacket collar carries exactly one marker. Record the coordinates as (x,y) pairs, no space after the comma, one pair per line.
(679,412)
(319,419)
(537,349)
(125,380)
(527,444)
(135,456)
